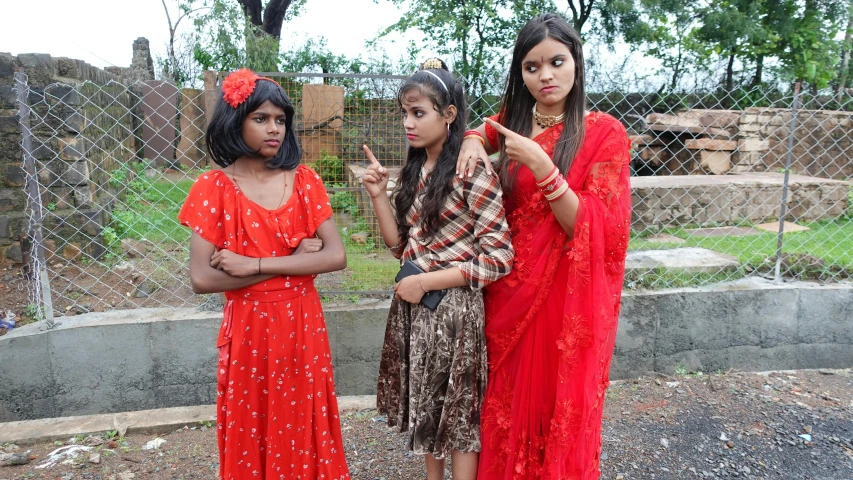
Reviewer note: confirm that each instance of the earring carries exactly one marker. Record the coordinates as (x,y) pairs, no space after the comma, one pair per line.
(448,130)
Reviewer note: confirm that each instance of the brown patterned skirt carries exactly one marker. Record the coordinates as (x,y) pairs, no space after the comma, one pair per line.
(432,376)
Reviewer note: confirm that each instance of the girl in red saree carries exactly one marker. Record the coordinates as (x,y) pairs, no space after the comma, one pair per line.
(254,223)
(551,323)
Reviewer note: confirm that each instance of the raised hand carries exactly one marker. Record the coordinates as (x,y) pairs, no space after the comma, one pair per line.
(375,178)
(309,245)
(472,151)
(523,150)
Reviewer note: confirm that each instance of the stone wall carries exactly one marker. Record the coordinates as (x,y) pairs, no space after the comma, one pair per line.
(699,141)
(728,199)
(823,141)
(85,123)
(81,127)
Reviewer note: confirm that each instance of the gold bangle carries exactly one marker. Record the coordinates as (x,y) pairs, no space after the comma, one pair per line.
(482,141)
(421,284)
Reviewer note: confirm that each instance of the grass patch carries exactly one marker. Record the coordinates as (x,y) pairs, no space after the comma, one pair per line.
(826,244)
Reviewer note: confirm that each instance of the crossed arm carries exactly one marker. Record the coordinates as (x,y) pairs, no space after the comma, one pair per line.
(213,270)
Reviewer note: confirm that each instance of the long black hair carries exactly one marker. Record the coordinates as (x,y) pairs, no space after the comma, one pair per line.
(224,135)
(518,101)
(440,181)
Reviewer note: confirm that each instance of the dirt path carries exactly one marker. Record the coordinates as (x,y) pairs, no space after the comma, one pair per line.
(787,425)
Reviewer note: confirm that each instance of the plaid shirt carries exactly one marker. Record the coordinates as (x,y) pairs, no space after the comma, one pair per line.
(474,235)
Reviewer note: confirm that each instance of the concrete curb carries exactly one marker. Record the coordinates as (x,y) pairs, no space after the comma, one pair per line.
(155,422)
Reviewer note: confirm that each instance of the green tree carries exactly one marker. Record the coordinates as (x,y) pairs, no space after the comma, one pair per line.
(236,33)
(810,52)
(476,34)
(666,30)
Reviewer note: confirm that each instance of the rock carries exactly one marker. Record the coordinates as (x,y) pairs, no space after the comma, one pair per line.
(83,308)
(123,267)
(95,458)
(12,459)
(136,248)
(359,238)
(72,252)
(145,289)
(154,444)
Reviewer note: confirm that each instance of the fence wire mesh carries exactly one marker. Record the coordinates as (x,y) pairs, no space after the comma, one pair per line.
(111,164)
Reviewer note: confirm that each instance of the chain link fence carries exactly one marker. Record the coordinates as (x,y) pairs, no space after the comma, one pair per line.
(108,166)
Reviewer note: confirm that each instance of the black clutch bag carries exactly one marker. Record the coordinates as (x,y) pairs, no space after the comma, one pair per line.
(430,299)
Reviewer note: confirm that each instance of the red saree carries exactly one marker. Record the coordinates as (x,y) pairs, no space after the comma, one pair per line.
(551,323)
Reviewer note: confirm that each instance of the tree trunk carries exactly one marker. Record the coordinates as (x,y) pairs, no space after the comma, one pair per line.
(730,72)
(269,19)
(759,68)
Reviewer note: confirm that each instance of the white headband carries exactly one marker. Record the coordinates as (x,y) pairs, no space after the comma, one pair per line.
(439,79)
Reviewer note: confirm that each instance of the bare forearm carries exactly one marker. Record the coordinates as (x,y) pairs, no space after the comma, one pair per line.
(441,279)
(205,279)
(386,219)
(324,261)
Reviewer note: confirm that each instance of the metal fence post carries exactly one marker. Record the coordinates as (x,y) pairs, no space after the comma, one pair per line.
(41,281)
(777,277)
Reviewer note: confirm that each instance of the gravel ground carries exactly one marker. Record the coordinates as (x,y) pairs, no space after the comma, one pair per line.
(790,425)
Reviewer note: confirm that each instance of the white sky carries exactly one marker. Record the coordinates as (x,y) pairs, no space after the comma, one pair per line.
(101,32)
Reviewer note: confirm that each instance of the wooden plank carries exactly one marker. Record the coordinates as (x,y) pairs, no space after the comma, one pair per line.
(710,144)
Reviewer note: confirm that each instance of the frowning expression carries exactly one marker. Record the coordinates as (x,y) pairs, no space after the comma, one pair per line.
(548,71)
(264,129)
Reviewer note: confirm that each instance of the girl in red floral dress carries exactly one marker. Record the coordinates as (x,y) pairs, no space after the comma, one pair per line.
(254,223)
(551,323)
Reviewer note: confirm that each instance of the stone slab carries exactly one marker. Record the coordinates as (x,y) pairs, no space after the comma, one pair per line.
(723,232)
(156,421)
(789,227)
(691,259)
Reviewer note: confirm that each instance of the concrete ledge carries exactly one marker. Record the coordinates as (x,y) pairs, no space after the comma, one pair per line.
(121,361)
(155,422)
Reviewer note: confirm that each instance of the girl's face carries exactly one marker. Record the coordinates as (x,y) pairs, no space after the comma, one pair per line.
(425,126)
(548,71)
(264,129)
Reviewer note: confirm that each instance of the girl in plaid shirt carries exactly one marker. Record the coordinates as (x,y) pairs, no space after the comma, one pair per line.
(432,375)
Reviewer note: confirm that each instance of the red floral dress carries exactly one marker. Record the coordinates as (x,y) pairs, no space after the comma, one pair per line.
(277,414)
(551,323)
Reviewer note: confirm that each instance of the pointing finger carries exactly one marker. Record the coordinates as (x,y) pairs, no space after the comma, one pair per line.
(373,160)
(500,128)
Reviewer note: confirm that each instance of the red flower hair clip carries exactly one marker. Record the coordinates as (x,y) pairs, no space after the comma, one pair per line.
(237,86)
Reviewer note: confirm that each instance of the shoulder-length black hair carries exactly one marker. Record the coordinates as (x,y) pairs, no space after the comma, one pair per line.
(518,101)
(440,182)
(224,134)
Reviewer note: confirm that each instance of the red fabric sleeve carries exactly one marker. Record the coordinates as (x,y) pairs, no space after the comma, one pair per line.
(202,210)
(315,202)
(491,133)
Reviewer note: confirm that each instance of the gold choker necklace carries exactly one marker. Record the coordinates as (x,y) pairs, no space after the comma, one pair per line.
(546,121)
